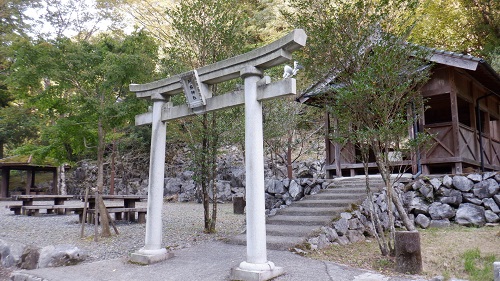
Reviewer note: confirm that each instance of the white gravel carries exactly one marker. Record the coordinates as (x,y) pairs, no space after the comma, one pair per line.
(182,227)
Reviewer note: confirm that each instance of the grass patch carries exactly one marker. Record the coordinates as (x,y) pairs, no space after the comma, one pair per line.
(478,267)
(444,252)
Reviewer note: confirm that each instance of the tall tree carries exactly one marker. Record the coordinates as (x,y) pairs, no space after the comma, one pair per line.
(361,46)
(81,88)
(204,32)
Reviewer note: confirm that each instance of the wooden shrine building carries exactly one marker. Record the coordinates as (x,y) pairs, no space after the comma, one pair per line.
(463,99)
(24,163)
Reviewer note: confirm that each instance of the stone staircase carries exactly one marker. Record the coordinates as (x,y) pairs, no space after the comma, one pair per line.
(292,225)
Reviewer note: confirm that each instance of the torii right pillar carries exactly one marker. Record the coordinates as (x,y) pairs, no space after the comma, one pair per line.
(256,267)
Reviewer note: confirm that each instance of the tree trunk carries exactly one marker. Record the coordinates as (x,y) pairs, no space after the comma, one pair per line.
(62,180)
(1,148)
(106,232)
(377,226)
(410,226)
(213,172)
(289,158)
(204,174)
(112,173)
(384,169)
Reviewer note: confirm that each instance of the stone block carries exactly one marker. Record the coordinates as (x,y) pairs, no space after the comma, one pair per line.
(462,183)
(423,221)
(440,223)
(491,217)
(439,211)
(490,204)
(408,252)
(470,215)
(60,255)
(486,189)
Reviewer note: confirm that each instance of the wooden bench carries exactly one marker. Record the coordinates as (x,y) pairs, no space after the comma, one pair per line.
(15,208)
(35,209)
(130,213)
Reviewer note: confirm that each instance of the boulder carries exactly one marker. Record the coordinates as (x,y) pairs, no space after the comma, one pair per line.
(323,241)
(419,206)
(29,258)
(60,255)
(346,215)
(462,183)
(436,183)
(355,236)
(470,215)
(497,199)
(490,204)
(440,223)
(315,189)
(470,198)
(341,226)
(491,217)
(423,221)
(343,240)
(10,253)
(450,196)
(447,181)
(331,234)
(487,175)
(475,177)
(295,190)
(172,186)
(427,191)
(486,189)
(439,211)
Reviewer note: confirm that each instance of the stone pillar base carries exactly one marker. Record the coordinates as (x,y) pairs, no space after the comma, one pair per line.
(256,272)
(150,256)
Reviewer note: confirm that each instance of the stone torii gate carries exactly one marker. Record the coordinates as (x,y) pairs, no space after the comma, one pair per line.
(196,86)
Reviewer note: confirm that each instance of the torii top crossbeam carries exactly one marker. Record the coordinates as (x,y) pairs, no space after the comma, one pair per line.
(262,58)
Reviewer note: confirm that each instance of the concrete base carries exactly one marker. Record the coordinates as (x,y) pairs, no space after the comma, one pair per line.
(150,256)
(238,273)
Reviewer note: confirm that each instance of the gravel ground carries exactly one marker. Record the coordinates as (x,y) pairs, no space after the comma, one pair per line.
(182,227)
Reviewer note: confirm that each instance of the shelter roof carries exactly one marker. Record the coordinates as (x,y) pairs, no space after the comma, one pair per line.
(476,67)
(25,162)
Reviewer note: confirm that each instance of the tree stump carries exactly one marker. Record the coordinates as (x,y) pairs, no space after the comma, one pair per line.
(239,205)
(408,253)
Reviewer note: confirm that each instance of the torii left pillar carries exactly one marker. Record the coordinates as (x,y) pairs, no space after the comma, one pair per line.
(153,251)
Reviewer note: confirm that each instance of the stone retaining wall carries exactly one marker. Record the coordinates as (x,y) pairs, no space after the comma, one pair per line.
(469,200)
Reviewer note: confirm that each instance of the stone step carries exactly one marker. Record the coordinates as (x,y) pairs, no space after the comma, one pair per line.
(299,220)
(333,196)
(272,242)
(343,190)
(289,230)
(326,203)
(304,211)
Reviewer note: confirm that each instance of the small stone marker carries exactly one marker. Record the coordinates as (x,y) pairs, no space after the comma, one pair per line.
(408,253)
(496,271)
(239,205)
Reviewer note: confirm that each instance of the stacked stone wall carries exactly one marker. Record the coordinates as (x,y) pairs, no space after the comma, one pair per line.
(469,200)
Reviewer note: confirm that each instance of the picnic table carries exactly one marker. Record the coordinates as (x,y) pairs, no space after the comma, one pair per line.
(28,208)
(128,209)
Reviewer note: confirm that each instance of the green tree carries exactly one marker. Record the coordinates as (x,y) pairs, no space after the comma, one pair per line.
(204,32)
(361,46)
(81,90)
(464,26)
